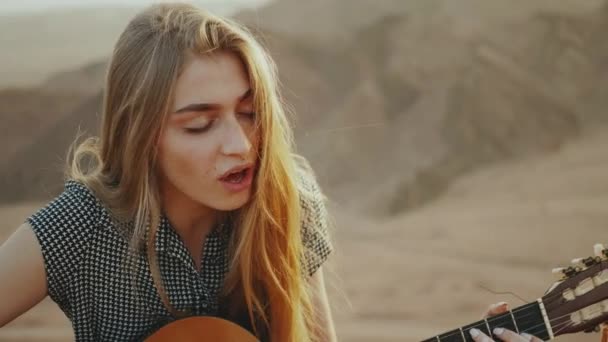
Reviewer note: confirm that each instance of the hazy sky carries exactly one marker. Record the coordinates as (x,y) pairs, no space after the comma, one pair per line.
(7,6)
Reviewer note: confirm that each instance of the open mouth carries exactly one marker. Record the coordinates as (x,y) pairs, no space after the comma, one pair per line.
(236,177)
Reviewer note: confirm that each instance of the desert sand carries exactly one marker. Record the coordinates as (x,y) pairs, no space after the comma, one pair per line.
(425,272)
(502,228)
(463,145)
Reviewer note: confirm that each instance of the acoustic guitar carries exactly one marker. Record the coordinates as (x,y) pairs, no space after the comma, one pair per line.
(202,329)
(577,302)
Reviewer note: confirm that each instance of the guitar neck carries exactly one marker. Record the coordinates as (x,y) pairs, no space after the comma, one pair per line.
(530,318)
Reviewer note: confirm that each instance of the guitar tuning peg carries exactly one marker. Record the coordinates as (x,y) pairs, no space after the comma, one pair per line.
(566,272)
(578,261)
(599,250)
(584,263)
(559,272)
(590,261)
(595,329)
(570,271)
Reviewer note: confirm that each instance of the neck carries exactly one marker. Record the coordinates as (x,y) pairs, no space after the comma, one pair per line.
(529,318)
(189,218)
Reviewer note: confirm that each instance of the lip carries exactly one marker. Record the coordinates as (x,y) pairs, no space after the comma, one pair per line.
(235,169)
(243,185)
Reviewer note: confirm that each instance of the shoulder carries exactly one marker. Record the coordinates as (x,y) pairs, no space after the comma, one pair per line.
(64,228)
(314,217)
(71,217)
(313,210)
(308,185)
(76,204)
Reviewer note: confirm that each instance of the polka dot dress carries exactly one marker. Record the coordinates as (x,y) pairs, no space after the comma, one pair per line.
(90,278)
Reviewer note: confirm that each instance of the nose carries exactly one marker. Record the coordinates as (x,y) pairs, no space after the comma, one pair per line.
(236,141)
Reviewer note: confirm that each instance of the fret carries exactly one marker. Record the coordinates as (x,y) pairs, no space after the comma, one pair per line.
(452,336)
(546,319)
(530,320)
(488,326)
(504,320)
(514,322)
(479,325)
(527,318)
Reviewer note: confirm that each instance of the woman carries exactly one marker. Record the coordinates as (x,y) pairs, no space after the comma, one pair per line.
(190,202)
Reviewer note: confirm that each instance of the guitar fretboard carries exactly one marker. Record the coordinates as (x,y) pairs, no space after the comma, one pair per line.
(526,318)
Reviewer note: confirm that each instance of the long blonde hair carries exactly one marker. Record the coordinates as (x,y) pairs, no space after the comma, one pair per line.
(266,279)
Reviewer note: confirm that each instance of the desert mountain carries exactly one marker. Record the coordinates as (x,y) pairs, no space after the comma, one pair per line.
(397,99)
(36,44)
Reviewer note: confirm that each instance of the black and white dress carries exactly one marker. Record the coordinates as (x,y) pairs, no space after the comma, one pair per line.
(84,254)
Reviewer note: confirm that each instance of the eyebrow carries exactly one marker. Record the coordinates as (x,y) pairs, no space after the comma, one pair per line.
(203,107)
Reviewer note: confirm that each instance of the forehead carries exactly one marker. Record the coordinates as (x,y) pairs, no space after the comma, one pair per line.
(219,77)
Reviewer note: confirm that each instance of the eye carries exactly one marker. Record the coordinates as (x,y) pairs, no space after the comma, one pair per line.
(196,130)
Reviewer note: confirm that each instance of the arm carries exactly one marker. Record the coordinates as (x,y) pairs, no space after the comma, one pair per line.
(322,311)
(22,272)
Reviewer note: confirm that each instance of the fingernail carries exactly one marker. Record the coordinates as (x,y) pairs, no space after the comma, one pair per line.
(474,332)
(527,336)
(498,331)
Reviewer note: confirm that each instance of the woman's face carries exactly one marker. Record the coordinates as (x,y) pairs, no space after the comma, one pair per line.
(210,130)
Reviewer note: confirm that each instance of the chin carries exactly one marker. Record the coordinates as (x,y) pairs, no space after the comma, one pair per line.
(233,202)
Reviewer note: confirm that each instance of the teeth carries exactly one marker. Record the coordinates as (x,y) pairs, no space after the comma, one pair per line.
(236,177)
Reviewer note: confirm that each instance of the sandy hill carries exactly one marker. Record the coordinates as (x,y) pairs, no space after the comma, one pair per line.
(337,19)
(493,111)
(502,229)
(60,40)
(28,113)
(412,95)
(39,43)
(44,174)
(418,274)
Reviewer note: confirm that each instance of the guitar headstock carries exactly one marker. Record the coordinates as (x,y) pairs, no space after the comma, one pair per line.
(579,300)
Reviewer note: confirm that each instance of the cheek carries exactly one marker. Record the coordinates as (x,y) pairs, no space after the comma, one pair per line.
(184,155)
(254,139)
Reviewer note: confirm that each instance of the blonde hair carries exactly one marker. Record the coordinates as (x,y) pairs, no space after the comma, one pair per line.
(266,278)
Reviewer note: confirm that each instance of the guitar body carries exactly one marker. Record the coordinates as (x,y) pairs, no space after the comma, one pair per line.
(202,329)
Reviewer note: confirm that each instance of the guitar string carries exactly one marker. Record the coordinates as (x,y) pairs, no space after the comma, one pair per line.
(522,331)
(569,322)
(564,325)
(523,307)
(560,328)
(512,311)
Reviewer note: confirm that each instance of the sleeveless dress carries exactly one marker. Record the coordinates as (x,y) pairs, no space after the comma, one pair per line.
(84,256)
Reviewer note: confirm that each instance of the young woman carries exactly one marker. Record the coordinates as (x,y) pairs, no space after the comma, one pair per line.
(190,202)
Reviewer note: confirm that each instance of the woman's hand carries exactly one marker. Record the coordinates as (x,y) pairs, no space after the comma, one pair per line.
(504,334)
